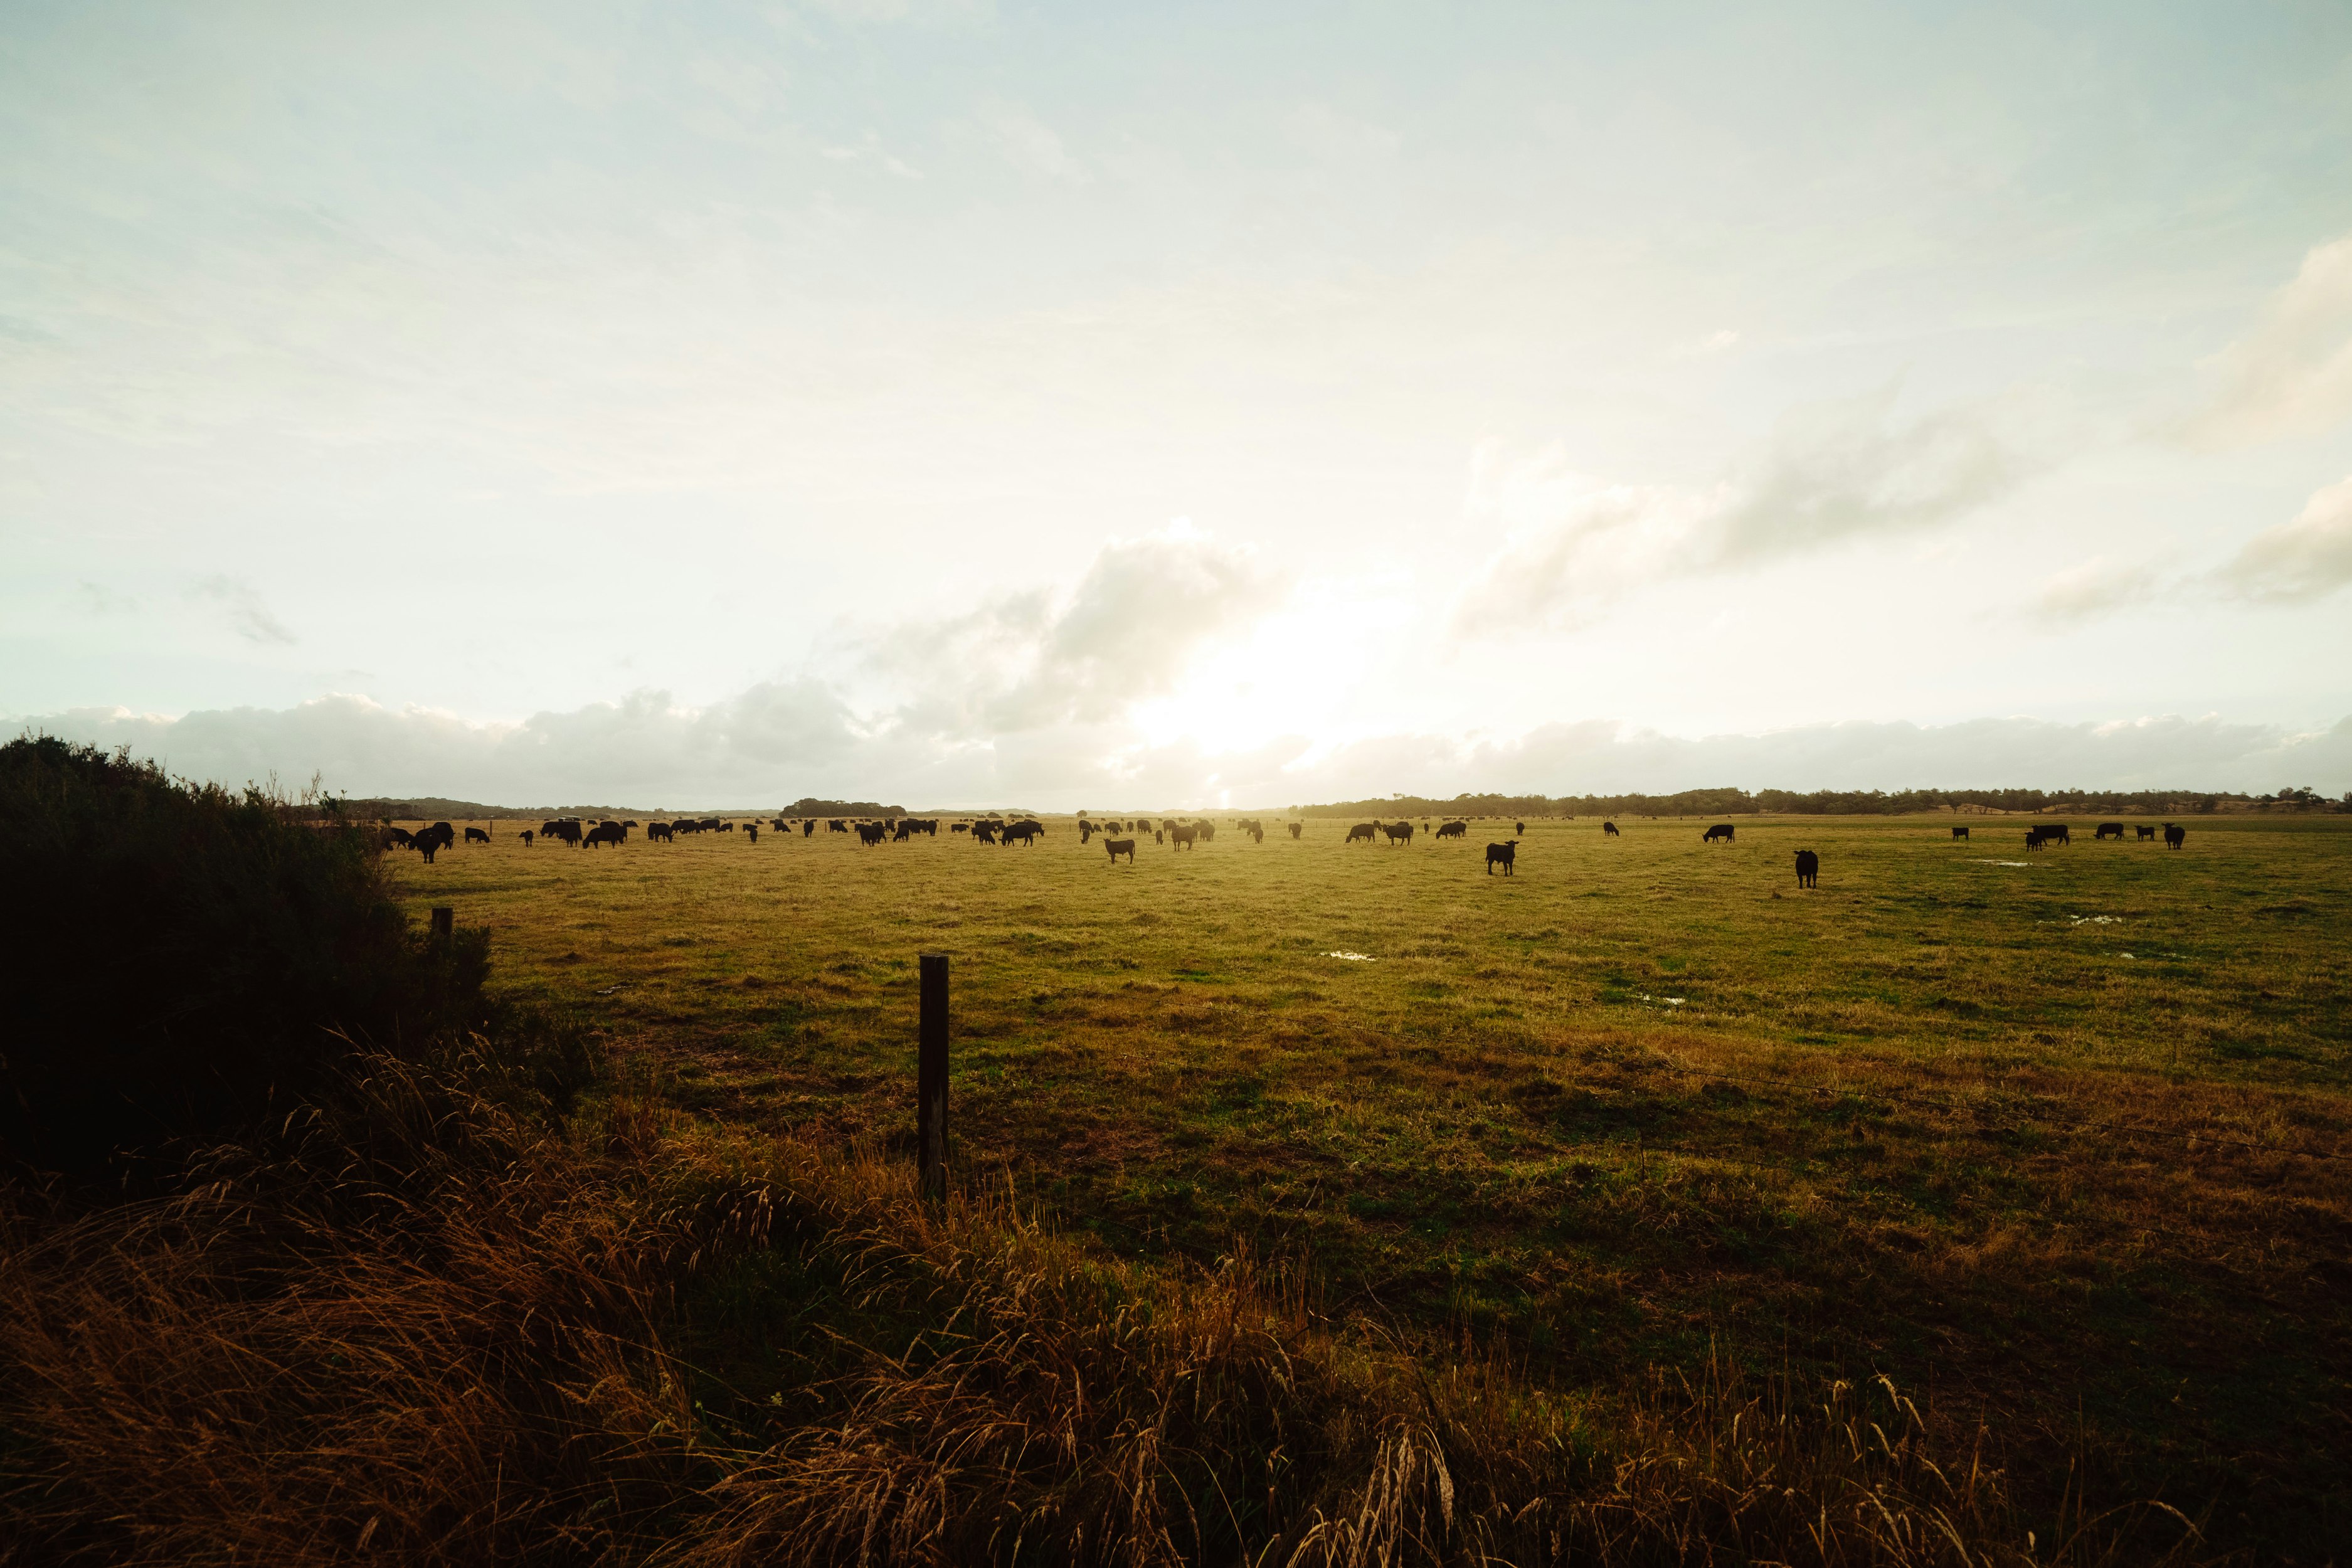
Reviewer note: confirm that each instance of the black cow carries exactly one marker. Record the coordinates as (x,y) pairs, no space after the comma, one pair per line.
(960,827)
(835,825)
(2174,837)
(1184,837)
(871,834)
(1025,834)
(661,833)
(1502,855)
(2113,830)
(1363,830)
(1258,834)
(526,837)
(1452,830)
(2145,832)
(1400,833)
(426,840)
(1959,832)
(603,833)
(398,835)
(1609,830)
(477,836)
(1295,828)
(1520,828)
(808,828)
(1722,830)
(1118,847)
(985,832)
(1809,866)
(751,831)
(1159,836)
(2035,837)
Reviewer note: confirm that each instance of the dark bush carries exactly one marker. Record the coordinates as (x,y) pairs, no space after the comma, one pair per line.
(183,958)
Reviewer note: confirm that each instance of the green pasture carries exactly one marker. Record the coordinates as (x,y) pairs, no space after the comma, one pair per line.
(2063,1133)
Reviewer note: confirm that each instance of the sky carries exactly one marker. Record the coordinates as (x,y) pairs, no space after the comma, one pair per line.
(1179,406)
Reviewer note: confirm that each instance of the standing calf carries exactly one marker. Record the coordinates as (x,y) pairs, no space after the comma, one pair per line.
(1502,855)
(1118,847)
(1809,865)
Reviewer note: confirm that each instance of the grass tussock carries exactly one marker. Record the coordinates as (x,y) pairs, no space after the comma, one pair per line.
(427,1319)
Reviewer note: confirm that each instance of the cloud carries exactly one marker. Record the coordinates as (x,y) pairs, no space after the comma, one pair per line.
(1830,474)
(780,741)
(2088,592)
(2303,560)
(1028,143)
(247,615)
(1145,610)
(2294,372)
(1323,130)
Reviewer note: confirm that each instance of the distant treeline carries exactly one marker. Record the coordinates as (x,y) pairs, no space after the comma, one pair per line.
(1820,802)
(805,806)
(431,807)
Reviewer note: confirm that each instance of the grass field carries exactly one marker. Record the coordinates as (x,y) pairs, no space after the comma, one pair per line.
(2058,1138)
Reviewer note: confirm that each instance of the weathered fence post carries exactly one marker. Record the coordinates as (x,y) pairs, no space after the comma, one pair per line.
(445,922)
(931,1077)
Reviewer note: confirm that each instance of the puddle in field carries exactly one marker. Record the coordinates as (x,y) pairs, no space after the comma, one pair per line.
(2086,921)
(1669,1001)
(2021,865)
(1352,957)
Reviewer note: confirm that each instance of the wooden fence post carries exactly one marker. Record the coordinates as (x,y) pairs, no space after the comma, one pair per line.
(931,1077)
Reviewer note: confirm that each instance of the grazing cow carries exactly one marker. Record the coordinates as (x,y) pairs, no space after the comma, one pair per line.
(1452,830)
(751,831)
(1159,836)
(1722,830)
(661,833)
(2053,833)
(2174,837)
(1086,833)
(726,827)
(1502,855)
(399,835)
(1295,828)
(477,836)
(983,831)
(1363,830)
(566,829)
(2145,832)
(1520,828)
(2113,830)
(1184,837)
(1258,834)
(603,833)
(835,825)
(426,840)
(526,837)
(960,827)
(1118,847)
(1809,866)
(1959,832)
(1609,830)
(1025,834)
(870,834)
(1400,833)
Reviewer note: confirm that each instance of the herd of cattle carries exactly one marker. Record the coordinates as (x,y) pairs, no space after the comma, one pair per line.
(1181,833)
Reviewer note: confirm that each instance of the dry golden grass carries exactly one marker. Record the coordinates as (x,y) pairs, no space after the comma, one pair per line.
(427,1323)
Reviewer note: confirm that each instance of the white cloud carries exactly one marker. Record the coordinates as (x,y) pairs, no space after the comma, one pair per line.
(247,615)
(1832,473)
(1145,610)
(2294,372)
(776,743)
(2305,559)
(1325,132)
(1028,143)
(2094,588)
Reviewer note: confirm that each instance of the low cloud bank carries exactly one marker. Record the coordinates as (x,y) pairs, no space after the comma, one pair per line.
(781,740)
